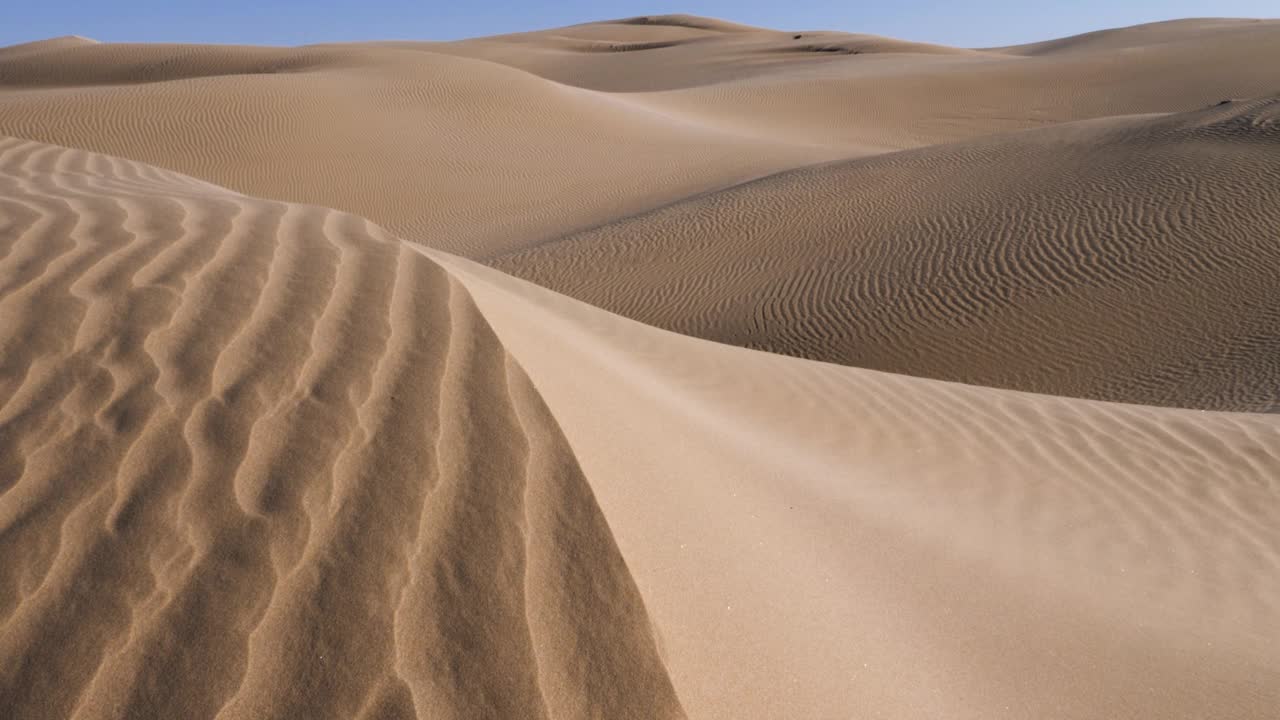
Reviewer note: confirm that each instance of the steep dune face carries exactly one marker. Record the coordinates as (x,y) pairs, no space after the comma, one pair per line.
(1128,259)
(823,541)
(263,460)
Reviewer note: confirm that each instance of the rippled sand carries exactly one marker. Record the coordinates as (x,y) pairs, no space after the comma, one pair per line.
(287,429)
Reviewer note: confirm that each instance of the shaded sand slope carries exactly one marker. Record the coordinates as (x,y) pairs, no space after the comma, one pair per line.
(263,460)
(1128,259)
(464,146)
(822,541)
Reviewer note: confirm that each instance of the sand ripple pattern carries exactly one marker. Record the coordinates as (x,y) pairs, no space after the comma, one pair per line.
(1129,259)
(264,460)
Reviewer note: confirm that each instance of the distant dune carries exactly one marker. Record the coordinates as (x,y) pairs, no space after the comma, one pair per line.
(1124,259)
(395,380)
(461,146)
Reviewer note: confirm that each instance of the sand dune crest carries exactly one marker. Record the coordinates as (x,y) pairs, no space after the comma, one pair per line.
(813,538)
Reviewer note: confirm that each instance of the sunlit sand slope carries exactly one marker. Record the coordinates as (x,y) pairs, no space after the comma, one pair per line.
(823,541)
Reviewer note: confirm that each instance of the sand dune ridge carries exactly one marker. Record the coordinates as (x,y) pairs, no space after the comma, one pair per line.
(327,398)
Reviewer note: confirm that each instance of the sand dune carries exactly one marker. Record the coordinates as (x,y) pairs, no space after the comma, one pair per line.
(262,458)
(460,146)
(424,143)
(274,448)
(1189,33)
(1124,259)
(38,47)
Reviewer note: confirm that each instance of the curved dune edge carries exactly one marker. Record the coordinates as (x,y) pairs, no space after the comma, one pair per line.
(813,539)
(264,460)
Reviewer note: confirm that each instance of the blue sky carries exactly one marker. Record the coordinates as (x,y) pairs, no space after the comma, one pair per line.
(294,22)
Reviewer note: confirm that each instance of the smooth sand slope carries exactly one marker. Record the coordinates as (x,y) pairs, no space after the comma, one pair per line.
(829,542)
(265,460)
(1129,259)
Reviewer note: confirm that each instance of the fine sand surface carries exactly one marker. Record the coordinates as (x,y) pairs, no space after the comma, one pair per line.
(287,429)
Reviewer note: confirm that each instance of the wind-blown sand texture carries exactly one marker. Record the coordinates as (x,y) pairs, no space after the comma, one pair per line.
(262,458)
(1125,259)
